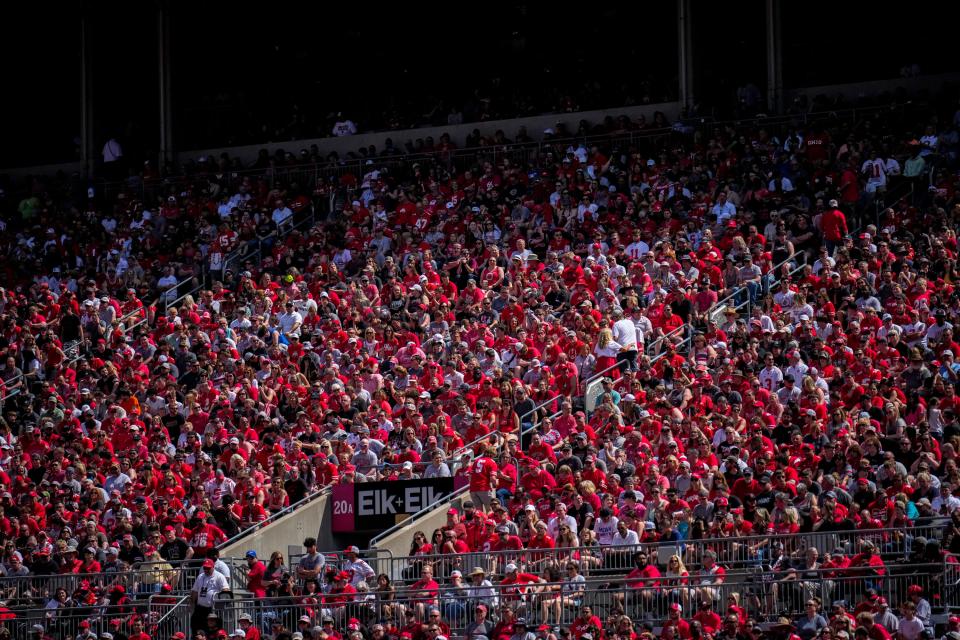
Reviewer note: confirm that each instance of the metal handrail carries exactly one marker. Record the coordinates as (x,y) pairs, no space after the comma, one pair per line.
(22,377)
(880,204)
(273,517)
(738,291)
(182,602)
(245,251)
(929,531)
(589,584)
(416,516)
(667,336)
(9,394)
(646,599)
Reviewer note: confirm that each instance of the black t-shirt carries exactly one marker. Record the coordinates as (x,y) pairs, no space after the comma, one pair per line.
(190,380)
(765,500)
(226,521)
(131,555)
(558,298)
(175,551)
(296,490)
(173,424)
(580,514)
(573,462)
(523,409)
(70,328)
(836,463)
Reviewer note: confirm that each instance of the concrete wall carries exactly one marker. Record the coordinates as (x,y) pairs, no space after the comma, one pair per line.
(535,126)
(398,543)
(68,168)
(856,90)
(312,519)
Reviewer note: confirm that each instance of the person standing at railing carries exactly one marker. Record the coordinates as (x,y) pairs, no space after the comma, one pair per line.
(168,285)
(359,569)
(207,586)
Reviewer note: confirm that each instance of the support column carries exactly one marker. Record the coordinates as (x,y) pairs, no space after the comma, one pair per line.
(685,54)
(774,57)
(166,110)
(87,149)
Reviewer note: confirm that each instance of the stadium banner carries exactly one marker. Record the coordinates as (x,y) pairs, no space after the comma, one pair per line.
(375,506)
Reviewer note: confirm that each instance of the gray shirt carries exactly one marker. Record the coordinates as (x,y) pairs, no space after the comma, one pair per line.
(437,471)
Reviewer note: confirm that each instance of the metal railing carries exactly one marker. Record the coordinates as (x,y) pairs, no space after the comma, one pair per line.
(765,595)
(142,580)
(880,203)
(276,515)
(734,553)
(253,249)
(159,617)
(168,616)
(71,352)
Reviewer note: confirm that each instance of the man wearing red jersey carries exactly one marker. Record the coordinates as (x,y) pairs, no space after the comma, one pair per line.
(483,479)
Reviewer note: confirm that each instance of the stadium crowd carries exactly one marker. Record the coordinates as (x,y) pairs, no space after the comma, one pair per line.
(440,320)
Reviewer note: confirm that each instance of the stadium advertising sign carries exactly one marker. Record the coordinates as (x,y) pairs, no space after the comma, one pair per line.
(375,506)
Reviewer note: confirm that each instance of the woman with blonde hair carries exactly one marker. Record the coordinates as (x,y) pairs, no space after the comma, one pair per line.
(606,351)
(810,388)
(676,581)
(154,571)
(527,527)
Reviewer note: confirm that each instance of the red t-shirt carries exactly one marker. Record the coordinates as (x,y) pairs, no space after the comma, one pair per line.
(513,585)
(255,580)
(482,474)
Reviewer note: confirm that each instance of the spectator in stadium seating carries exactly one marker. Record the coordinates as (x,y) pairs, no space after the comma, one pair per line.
(311,563)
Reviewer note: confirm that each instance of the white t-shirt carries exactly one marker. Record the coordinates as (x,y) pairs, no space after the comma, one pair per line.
(876,173)
(630,539)
(208,586)
(112,151)
(798,371)
(553,527)
(643,326)
(770,378)
(625,332)
(165,283)
(344,128)
(638,249)
(288,321)
(910,629)
(605,530)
